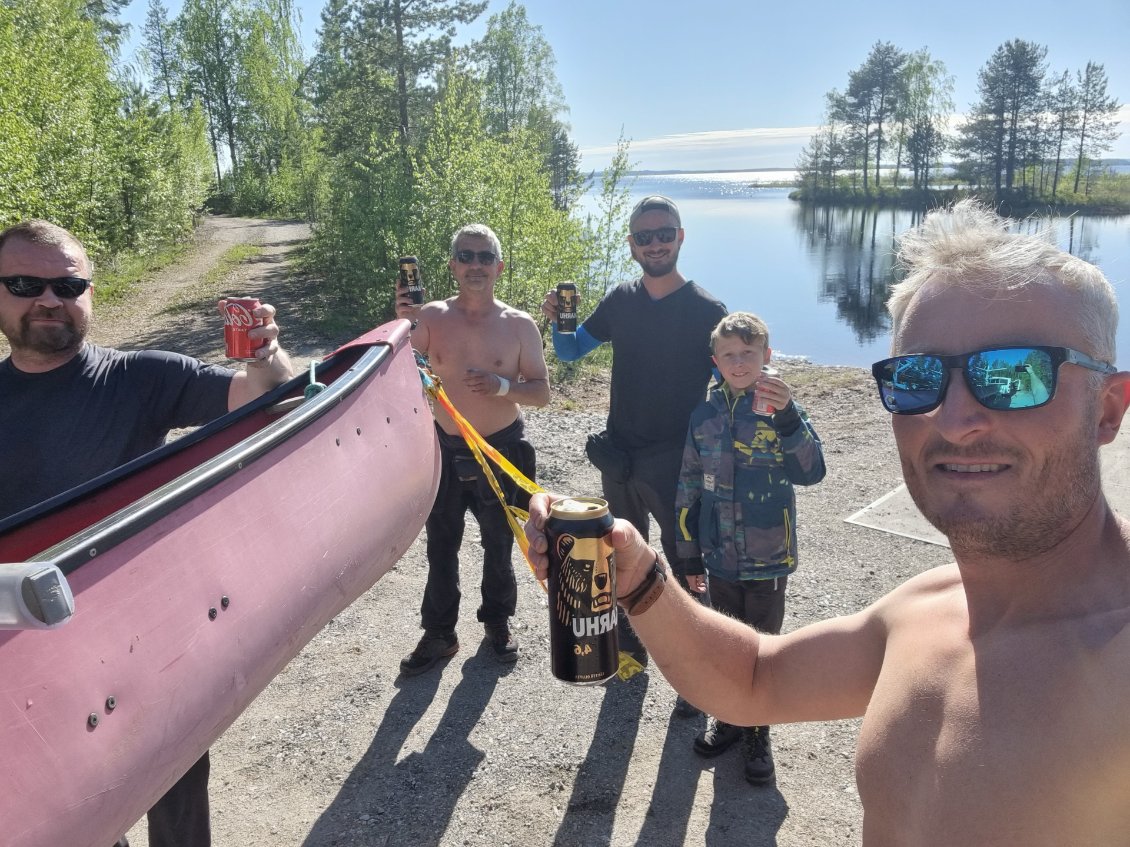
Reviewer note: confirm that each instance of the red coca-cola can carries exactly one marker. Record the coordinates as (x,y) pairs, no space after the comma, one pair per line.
(239,317)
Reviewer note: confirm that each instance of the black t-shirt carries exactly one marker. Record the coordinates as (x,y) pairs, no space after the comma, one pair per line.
(104,407)
(660,360)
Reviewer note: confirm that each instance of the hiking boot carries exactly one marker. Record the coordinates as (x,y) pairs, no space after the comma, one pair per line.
(758,755)
(718,738)
(685,709)
(433,646)
(505,645)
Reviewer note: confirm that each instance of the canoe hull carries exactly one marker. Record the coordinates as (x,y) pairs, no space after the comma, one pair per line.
(179,627)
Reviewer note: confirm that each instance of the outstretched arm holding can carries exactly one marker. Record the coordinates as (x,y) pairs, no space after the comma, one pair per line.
(821,672)
(271,365)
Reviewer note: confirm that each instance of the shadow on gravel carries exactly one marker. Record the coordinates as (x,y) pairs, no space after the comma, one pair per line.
(591,811)
(358,816)
(742,813)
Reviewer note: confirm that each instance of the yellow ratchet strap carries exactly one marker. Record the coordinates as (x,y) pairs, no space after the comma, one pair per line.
(628,665)
(481,450)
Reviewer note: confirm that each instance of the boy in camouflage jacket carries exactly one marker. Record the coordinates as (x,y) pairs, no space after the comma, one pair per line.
(748,443)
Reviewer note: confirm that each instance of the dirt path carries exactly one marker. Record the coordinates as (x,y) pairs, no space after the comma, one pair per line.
(170,310)
(341,751)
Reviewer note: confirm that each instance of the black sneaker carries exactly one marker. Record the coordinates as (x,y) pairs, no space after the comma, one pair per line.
(505,645)
(718,738)
(758,753)
(433,646)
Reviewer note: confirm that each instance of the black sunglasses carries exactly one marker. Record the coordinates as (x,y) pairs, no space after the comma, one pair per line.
(65,287)
(1002,379)
(665,234)
(466,257)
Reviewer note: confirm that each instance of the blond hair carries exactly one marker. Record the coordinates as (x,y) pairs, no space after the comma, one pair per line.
(971,246)
(746,325)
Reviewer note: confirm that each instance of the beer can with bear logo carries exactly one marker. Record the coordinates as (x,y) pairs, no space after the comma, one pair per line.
(583,646)
(410,279)
(566,307)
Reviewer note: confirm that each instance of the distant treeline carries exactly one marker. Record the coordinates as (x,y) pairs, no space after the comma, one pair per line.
(387,139)
(1033,137)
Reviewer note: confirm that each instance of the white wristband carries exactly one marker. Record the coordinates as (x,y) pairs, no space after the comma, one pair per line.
(503,386)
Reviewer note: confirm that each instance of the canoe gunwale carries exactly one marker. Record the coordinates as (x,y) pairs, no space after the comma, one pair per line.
(85,546)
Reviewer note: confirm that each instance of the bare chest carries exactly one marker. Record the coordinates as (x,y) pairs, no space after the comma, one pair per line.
(1010,740)
(457,345)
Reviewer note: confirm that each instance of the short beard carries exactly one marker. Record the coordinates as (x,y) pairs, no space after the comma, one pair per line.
(1063,493)
(55,342)
(655,271)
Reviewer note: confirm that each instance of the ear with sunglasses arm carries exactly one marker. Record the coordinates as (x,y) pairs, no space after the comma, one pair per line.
(272,366)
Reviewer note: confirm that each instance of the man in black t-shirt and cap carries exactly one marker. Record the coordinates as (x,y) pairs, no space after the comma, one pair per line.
(659,327)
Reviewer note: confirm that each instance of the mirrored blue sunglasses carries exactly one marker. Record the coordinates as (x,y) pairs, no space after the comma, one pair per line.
(1001,379)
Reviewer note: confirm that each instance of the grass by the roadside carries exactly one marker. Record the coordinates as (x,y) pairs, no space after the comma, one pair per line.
(211,284)
(119,276)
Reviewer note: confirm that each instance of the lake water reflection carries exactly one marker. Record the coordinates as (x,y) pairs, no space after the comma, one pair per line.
(820,276)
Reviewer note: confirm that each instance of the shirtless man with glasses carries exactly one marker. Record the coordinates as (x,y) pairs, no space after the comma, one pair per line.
(489,357)
(994,690)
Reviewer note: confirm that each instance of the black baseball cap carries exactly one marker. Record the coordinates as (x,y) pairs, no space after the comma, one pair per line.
(652,202)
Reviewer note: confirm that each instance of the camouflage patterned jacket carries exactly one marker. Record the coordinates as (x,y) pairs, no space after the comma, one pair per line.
(735,505)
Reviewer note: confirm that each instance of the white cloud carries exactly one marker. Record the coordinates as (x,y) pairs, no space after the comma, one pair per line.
(729,149)
(765,147)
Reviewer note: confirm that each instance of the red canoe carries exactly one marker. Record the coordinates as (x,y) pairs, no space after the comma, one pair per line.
(198,571)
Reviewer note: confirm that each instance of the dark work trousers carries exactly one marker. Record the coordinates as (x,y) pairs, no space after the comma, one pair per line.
(649,492)
(181,817)
(758,602)
(463,487)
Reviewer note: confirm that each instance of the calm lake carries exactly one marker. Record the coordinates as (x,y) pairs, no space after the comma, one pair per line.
(820,277)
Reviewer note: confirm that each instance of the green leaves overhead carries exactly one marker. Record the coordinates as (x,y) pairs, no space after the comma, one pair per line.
(387,140)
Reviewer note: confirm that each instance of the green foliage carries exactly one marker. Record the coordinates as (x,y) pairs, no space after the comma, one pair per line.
(80,148)
(59,119)
(608,259)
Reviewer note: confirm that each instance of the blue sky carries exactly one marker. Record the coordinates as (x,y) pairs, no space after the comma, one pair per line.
(732,85)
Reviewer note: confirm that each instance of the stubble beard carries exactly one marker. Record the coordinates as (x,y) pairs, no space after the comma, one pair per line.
(658,269)
(1054,505)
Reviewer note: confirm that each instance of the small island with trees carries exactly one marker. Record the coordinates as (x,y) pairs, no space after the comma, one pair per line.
(1031,142)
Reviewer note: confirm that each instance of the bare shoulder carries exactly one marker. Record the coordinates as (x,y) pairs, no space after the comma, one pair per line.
(929,586)
(435,308)
(513,313)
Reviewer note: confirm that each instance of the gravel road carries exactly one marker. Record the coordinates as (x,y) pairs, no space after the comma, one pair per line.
(341,751)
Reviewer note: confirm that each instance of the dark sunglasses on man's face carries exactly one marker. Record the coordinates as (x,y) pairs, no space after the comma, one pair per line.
(665,234)
(1001,379)
(65,287)
(466,257)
